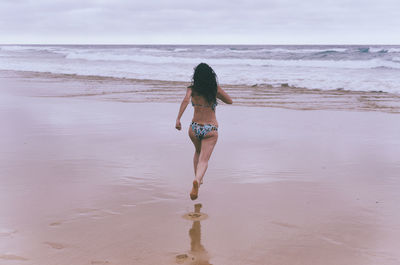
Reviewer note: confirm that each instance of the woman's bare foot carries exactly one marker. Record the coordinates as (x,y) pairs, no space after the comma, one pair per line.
(195,190)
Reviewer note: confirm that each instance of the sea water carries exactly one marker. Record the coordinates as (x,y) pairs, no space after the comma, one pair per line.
(347,67)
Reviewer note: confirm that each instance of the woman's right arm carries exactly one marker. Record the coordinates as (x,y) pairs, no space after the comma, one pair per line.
(222,95)
(182,108)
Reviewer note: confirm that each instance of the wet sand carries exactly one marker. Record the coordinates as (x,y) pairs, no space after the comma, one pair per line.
(92,180)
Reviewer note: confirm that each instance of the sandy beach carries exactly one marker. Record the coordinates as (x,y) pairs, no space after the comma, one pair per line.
(91,178)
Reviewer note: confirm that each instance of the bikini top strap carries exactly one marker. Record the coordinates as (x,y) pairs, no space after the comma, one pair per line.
(206,106)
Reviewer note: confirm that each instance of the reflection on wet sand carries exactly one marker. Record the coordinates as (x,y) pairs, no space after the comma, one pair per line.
(196,248)
(198,254)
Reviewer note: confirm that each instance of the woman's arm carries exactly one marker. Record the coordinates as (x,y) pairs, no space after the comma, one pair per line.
(222,95)
(184,104)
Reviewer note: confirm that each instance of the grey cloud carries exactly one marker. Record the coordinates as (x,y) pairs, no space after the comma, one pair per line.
(208,20)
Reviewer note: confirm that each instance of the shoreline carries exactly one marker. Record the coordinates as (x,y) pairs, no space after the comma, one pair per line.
(137,90)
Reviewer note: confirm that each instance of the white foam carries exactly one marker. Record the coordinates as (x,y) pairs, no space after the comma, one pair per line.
(307,50)
(378,50)
(349,64)
(396,59)
(181,50)
(232,66)
(150,59)
(27,48)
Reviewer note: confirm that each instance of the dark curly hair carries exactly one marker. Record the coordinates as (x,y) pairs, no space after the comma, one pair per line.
(204,83)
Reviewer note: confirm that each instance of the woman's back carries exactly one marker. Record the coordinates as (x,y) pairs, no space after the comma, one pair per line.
(204,113)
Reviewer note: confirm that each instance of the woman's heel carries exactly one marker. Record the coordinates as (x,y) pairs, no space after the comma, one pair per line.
(195,190)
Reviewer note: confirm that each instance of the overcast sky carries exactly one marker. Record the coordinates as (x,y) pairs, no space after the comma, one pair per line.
(200,22)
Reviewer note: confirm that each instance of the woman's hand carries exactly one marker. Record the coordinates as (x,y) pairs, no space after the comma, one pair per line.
(182,108)
(178,125)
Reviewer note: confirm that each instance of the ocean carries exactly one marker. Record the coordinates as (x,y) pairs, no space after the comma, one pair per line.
(343,67)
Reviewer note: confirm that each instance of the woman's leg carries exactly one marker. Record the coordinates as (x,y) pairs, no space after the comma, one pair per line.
(200,160)
(207,146)
(197,145)
(195,160)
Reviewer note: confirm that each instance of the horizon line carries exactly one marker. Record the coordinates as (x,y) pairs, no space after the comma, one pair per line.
(208,44)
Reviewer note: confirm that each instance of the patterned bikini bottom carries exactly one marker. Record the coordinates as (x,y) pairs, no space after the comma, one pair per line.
(201,130)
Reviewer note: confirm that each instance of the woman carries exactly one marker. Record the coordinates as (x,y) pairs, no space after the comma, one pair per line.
(203,131)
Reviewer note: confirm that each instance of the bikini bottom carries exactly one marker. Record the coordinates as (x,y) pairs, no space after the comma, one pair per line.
(201,130)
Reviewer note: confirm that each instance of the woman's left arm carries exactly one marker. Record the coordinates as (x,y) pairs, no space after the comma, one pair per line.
(184,104)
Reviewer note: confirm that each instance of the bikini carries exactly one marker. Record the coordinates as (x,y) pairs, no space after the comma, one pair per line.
(201,130)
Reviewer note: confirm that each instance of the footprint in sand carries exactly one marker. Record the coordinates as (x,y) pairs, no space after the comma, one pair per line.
(55,223)
(12,257)
(182,258)
(196,215)
(55,245)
